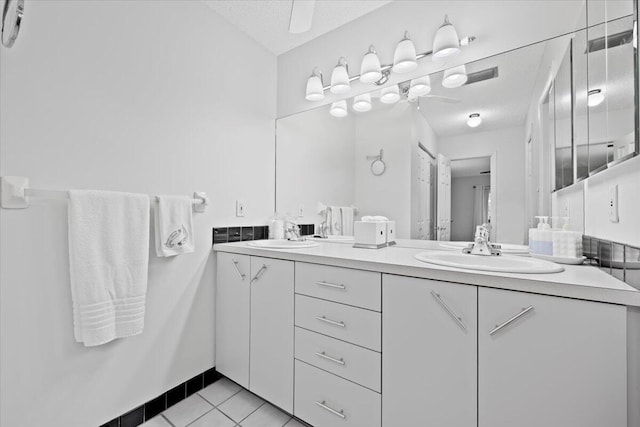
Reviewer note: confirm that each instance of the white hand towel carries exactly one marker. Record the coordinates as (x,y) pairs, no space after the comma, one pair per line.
(174,226)
(109,260)
(334,221)
(347,221)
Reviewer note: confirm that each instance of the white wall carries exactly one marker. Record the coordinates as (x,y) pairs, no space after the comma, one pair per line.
(509,194)
(150,97)
(315,159)
(569,202)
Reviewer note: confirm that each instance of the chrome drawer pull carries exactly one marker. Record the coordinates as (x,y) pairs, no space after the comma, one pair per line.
(235,264)
(259,273)
(449,310)
(513,319)
(332,322)
(331,285)
(339,413)
(333,359)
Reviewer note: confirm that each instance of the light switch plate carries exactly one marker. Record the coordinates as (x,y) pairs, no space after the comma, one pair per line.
(240,208)
(613,204)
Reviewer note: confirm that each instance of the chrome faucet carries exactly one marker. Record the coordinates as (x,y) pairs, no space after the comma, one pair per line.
(292,231)
(481,244)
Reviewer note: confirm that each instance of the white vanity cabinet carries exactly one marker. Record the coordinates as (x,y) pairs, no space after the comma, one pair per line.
(254,325)
(429,345)
(550,361)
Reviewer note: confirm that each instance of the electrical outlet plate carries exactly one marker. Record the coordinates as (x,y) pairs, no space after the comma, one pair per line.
(300,211)
(240,208)
(613,204)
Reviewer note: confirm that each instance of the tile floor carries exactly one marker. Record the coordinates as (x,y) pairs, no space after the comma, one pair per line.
(223,404)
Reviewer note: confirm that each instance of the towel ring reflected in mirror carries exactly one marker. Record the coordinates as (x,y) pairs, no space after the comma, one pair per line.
(377,165)
(11,20)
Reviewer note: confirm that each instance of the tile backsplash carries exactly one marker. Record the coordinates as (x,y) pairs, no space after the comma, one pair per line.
(245,233)
(620,260)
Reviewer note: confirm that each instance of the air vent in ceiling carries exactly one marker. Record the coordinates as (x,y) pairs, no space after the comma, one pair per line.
(607,42)
(482,75)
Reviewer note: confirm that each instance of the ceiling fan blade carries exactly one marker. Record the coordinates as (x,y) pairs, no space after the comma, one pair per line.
(301,16)
(443,98)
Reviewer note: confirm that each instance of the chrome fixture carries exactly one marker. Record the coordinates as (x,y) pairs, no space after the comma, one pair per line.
(511,320)
(481,244)
(11,19)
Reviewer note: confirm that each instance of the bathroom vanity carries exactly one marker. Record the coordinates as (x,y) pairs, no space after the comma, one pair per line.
(356,337)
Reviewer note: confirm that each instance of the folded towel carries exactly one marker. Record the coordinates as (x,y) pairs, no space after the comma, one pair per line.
(334,221)
(109,258)
(174,226)
(347,221)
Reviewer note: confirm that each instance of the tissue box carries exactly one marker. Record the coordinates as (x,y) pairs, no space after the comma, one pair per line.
(371,235)
(391,233)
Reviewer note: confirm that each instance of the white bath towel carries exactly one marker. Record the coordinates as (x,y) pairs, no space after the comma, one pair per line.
(109,259)
(173,226)
(347,221)
(334,221)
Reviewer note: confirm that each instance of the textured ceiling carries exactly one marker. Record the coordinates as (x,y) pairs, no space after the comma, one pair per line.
(267,21)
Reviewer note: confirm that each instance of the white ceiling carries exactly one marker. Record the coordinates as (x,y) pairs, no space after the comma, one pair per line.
(470,167)
(267,21)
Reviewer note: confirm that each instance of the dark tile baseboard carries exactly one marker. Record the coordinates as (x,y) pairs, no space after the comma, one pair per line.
(155,406)
(254,232)
(617,259)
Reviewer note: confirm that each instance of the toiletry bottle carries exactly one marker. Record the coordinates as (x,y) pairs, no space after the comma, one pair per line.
(546,237)
(534,237)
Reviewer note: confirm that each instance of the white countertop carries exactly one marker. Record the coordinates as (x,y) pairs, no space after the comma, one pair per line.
(576,281)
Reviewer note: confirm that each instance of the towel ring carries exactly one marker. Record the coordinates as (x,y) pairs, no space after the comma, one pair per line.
(377,165)
(11,20)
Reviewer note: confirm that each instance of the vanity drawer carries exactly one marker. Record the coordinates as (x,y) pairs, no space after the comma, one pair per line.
(343,402)
(349,361)
(351,324)
(354,287)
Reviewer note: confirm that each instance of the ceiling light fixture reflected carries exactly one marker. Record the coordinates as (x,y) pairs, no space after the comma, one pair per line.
(474,120)
(315,91)
(339,109)
(404,58)
(455,77)
(390,95)
(362,103)
(340,77)
(370,68)
(446,42)
(595,97)
(420,86)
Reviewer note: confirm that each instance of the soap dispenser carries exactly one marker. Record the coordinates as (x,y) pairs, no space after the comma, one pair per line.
(546,237)
(534,237)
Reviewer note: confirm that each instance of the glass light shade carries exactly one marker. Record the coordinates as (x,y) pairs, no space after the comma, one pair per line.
(420,86)
(474,120)
(404,58)
(446,42)
(340,78)
(455,77)
(315,92)
(362,103)
(339,109)
(370,68)
(390,95)
(595,97)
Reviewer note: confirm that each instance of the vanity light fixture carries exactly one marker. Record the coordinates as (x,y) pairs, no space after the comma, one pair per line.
(405,58)
(339,109)
(390,94)
(595,97)
(362,103)
(420,86)
(446,42)
(340,82)
(315,91)
(370,70)
(455,77)
(474,120)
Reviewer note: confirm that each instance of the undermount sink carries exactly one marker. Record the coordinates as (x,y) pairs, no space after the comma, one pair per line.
(502,263)
(283,244)
(505,248)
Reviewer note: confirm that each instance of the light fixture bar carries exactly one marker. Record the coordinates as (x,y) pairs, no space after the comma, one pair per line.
(387,67)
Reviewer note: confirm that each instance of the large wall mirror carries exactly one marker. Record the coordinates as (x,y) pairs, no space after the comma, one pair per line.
(491,150)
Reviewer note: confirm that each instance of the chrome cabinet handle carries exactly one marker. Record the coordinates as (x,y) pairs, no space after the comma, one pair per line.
(259,273)
(324,406)
(333,359)
(332,322)
(511,320)
(330,285)
(448,309)
(235,264)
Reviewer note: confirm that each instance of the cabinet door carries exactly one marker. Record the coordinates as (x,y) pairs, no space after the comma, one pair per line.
(232,316)
(429,364)
(562,362)
(271,367)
